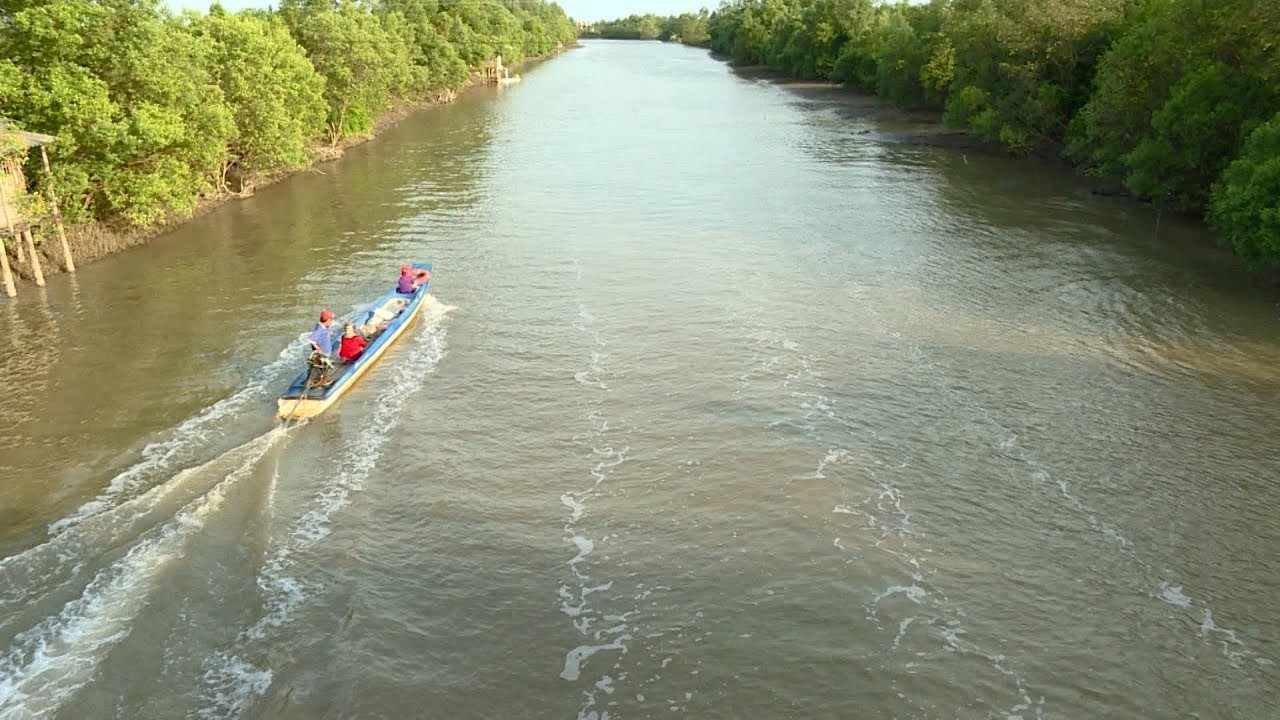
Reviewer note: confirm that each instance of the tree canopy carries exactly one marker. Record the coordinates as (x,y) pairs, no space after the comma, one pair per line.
(152,108)
(1178,98)
(689,28)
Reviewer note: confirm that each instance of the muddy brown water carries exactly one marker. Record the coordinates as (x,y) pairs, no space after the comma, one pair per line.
(725,404)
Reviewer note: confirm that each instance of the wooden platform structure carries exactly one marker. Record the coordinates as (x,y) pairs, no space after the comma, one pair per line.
(16,218)
(496,73)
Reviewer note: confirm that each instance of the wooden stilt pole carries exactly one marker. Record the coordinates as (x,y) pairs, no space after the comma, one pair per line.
(57,215)
(9,288)
(35,259)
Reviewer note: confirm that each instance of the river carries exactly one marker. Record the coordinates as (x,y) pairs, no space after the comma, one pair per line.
(725,404)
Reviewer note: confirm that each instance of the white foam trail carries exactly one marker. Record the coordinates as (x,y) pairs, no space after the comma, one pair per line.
(1173,595)
(834,455)
(902,632)
(34,571)
(895,502)
(914,593)
(50,662)
(1233,649)
(161,456)
(575,508)
(606,458)
(951,635)
(585,546)
(574,659)
(231,683)
(591,376)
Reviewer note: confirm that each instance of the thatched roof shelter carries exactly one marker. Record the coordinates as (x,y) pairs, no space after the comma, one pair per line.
(14,138)
(14,144)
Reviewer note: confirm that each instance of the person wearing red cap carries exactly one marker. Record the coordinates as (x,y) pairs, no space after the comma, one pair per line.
(410,281)
(322,345)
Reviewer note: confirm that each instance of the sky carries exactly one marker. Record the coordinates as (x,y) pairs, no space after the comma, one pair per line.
(577,9)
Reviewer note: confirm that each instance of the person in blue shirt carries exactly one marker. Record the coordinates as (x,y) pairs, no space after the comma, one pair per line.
(321,347)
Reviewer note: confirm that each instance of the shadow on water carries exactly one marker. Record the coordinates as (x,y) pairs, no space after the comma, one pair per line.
(1092,276)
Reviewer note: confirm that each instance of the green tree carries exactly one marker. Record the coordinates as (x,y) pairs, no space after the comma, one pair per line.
(907,63)
(688,28)
(1246,201)
(130,93)
(1022,68)
(632,27)
(275,94)
(1177,95)
(364,65)
(853,32)
(151,110)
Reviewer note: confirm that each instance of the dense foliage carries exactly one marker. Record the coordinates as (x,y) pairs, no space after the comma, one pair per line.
(689,28)
(153,109)
(1179,98)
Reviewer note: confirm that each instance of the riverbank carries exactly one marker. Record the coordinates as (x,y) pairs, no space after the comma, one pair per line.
(894,123)
(95,240)
(1143,99)
(925,127)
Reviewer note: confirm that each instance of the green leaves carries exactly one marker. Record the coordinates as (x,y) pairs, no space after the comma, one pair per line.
(272,88)
(129,93)
(152,110)
(1176,96)
(362,64)
(1160,93)
(1246,200)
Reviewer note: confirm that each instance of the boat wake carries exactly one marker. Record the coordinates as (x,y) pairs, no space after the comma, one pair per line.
(67,602)
(196,439)
(173,470)
(50,661)
(232,680)
(873,527)
(185,442)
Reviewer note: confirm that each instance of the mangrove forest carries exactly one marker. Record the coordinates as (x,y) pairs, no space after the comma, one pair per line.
(1177,100)
(153,109)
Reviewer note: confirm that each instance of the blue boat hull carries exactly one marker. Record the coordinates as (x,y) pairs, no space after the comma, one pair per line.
(389,317)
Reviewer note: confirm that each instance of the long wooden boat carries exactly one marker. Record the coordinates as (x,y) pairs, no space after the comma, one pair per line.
(387,321)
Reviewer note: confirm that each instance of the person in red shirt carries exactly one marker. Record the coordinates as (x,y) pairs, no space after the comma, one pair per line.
(353,344)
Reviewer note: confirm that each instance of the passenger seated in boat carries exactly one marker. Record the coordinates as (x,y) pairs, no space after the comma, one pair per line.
(411,281)
(353,344)
(321,346)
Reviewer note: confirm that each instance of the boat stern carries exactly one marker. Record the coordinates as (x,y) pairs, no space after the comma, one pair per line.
(299,409)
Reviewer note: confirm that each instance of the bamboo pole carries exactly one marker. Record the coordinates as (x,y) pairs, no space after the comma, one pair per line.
(8,167)
(57,214)
(9,288)
(35,259)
